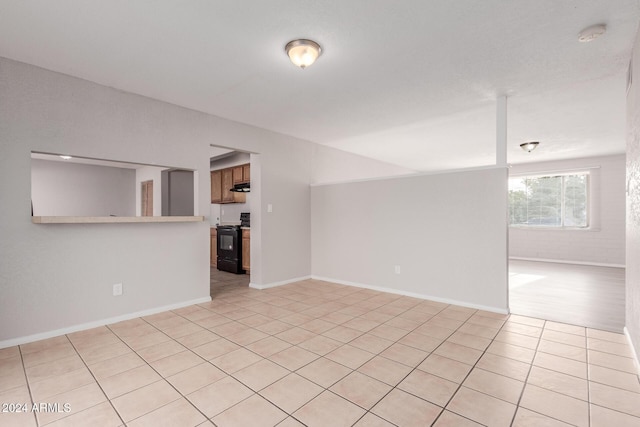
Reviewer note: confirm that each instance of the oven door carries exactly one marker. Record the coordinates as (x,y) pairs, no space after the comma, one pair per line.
(229,250)
(226,244)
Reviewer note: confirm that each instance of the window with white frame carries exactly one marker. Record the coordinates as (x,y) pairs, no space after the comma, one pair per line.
(558,201)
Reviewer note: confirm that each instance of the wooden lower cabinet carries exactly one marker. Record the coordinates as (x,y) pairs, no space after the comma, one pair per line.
(214,247)
(246,249)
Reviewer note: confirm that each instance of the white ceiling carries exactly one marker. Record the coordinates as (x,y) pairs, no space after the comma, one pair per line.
(410,82)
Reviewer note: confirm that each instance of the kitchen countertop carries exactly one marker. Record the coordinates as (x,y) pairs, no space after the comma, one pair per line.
(112,219)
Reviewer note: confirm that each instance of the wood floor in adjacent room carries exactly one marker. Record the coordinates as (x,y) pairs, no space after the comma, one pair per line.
(575,294)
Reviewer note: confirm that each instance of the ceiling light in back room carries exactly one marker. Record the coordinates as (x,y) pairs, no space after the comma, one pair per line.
(529,146)
(303,52)
(591,33)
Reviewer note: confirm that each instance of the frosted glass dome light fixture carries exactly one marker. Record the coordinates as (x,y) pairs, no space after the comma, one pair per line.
(591,33)
(303,52)
(529,146)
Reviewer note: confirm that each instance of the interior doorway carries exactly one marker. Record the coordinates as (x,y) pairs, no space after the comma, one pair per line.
(235,190)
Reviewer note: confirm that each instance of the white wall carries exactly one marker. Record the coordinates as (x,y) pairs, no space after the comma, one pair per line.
(447,232)
(228,160)
(71,189)
(285,186)
(330,165)
(230,212)
(633,204)
(604,241)
(60,276)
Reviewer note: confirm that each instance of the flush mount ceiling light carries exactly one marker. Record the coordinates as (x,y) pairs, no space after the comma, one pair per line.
(303,52)
(66,157)
(529,146)
(591,33)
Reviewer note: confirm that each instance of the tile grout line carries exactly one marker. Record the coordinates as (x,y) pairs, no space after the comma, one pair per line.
(162,376)
(401,380)
(429,353)
(526,379)
(444,408)
(227,374)
(342,345)
(26,379)
(232,376)
(84,362)
(256,392)
(145,361)
(379,354)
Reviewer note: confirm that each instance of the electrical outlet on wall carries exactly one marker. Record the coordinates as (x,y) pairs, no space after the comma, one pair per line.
(117,289)
(397,269)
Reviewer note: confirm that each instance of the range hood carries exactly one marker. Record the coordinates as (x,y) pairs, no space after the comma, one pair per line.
(241,188)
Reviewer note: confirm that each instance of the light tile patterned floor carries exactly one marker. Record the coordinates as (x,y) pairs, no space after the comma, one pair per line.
(320,354)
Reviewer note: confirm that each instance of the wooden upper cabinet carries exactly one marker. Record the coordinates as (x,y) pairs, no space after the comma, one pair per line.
(242,174)
(227,184)
(224,179)
(216,186)
(238,177)
(246,172)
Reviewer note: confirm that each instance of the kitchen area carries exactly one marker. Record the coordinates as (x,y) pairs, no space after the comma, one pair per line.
(230,219)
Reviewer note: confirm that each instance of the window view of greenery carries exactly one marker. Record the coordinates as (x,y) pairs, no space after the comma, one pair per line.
(549,201)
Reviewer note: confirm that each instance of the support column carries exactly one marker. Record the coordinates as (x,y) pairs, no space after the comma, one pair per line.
(501,160)
(501,131)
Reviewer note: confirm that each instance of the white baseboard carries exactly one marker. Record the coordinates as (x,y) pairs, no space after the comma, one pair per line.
(413,294)
(636,361)
(97,323)
(559,261)
(274,284)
